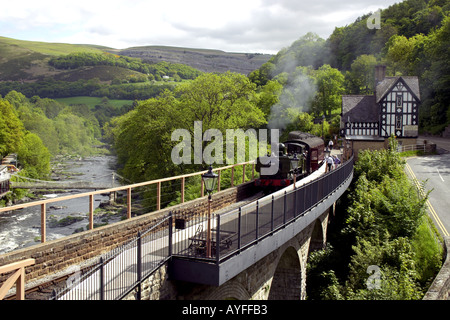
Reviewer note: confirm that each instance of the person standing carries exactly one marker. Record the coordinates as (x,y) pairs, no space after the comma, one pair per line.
(330,145)
(329,163)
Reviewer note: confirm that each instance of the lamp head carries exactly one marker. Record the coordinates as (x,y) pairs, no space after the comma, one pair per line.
(210,179)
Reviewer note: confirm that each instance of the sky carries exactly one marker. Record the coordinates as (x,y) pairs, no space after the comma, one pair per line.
(253,26)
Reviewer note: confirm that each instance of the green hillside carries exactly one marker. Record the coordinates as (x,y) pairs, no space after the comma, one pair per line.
(57,70)
(28,61)
(47,48)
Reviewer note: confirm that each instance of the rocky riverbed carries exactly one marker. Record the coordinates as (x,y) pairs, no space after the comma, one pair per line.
(21,228)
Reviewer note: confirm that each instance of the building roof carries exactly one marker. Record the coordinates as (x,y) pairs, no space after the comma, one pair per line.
(359,108)
(386,85)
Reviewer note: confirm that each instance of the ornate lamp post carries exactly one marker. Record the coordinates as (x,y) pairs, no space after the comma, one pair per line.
(209,179)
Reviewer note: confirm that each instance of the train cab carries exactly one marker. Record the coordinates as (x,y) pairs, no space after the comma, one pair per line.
(299,156)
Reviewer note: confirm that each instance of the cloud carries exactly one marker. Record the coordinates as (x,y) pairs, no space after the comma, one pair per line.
(234,25)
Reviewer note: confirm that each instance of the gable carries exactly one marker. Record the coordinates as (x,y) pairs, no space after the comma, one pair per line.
(399,109)
(398,84)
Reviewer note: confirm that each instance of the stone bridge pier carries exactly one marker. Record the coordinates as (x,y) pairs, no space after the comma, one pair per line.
(281,275)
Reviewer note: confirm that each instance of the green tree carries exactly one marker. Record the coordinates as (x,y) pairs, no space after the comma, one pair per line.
(400,54)
(269,95)
(11,128)
(330,87)
(142,137)
(394,260)
(35,121)
(221,101)
(34,156)
(436,79)
(360,78)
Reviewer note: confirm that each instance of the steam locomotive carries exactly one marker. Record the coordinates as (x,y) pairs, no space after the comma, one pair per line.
(298,157)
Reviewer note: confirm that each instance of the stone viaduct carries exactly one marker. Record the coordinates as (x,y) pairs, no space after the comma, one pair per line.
(272,268)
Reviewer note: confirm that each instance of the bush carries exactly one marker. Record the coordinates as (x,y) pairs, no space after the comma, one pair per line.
(388,231)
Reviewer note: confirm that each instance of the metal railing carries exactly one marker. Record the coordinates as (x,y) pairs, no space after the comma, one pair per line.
(237,229)
(122,270)
(412,147)
(150,194)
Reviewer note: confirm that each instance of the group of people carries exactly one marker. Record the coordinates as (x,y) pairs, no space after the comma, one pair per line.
(331,160)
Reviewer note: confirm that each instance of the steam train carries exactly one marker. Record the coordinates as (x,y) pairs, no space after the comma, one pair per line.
(298,157)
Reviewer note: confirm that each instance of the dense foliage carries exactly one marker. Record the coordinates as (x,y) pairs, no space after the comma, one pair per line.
(158,70)
(51,88)
(37,129)
(413,40)
(379,230)
(142,137)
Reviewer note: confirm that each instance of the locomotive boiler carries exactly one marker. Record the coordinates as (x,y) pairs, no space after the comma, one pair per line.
(300,155)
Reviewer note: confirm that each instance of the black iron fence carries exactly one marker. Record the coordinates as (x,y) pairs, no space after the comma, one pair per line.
(120,271)
(237,229)
(203,237)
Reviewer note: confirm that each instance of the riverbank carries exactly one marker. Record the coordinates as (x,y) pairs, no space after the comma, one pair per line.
(21,228)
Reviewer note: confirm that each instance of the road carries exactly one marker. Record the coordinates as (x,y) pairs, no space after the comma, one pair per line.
(434,170)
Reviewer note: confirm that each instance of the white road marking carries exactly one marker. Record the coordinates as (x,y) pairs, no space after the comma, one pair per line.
(440,174)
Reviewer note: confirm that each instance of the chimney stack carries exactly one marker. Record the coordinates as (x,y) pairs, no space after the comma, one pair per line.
(380,73)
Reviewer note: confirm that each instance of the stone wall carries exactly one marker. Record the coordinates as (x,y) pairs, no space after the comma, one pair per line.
(440,288)
(53,258)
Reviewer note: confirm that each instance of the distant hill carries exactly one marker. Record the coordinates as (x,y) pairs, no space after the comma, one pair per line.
(28,61)
(202,59)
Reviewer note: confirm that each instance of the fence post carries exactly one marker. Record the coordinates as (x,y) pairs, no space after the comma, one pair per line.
(182,190)
(271,214)
(128,203)
(232,176)
(91,211)
(139,265)
(218,240)
(158,196)
(102,279)
(257,219)
(239,228)
(170,233)
(43,220)
(295,202)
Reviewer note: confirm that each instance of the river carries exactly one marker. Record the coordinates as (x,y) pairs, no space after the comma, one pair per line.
(22,228)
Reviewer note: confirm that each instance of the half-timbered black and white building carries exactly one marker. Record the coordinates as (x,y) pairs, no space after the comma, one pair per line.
(367,121)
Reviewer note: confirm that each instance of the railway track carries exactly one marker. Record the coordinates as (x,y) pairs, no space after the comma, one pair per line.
(43,291)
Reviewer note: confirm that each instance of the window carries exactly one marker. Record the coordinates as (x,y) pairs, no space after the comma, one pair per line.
(398,122)
(399,100)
